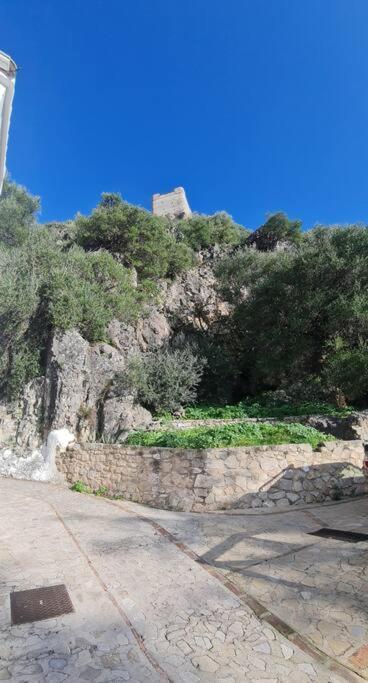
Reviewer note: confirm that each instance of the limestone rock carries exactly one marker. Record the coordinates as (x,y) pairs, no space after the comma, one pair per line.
(21,422)
(121,415)
(153,331)
(67,379)
(29,429)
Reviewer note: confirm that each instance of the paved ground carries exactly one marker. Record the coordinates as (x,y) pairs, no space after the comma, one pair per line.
(147,609)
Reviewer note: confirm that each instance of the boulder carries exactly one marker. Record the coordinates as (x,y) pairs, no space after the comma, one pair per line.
(121,415)
(152,331)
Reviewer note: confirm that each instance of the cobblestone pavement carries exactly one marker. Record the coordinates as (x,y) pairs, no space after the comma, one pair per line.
(145,608)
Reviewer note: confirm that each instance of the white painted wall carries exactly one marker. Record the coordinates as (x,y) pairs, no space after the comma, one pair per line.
(7,84)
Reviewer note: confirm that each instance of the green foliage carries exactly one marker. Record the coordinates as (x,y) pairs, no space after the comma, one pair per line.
(164,380)
(297,303)
(347,369)
(101,491)
(277,228)
(24,365)
(200,232)
(18,211)
(43,287)
(81,487)
(243,434)
(141,239)
(260,408)
(86,291)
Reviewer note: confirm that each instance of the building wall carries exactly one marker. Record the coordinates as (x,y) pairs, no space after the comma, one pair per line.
(173,204)
(215,479)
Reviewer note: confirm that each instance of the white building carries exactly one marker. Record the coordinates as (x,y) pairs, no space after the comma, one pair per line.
(7,83)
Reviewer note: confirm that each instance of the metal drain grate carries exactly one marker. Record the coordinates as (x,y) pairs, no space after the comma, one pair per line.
(39,603)
(340,535)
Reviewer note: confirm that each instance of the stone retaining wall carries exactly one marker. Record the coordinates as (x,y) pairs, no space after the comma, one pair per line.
(215,479)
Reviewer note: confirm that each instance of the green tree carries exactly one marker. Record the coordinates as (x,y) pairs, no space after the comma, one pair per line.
(277,228)
(18,211)
(141,239)
(164,380)
(289,306)
(201,232)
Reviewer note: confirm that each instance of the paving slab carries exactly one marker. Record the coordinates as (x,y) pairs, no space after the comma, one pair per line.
(318,586)
(145,607)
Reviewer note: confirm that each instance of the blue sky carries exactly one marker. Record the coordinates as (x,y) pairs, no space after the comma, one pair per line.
(253,106)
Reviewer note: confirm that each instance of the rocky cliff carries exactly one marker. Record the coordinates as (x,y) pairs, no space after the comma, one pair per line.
(79,391)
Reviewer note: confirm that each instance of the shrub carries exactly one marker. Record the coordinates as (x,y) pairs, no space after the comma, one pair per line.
(261,408)
(346,370)
(18,211)
(200,231)
(278,227)
(246,434)
(42,287)
(164,380)
(141,239)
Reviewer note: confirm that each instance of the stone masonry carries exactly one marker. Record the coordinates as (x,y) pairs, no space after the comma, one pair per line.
(216,478)
(172,204)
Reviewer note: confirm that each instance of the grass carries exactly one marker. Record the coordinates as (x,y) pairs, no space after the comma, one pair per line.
(252,408)
(246,434)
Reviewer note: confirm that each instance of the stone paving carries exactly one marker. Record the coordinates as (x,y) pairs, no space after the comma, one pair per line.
(317,586)
(144,608)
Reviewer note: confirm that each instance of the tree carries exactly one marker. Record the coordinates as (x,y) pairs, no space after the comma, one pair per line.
(289,306)
(277,228)
(142,240)
(164,380)
(18,211)
(201,232)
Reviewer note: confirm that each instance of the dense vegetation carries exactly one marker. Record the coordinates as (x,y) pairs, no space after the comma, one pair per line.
(304,322)
(246,434)
(260,408)
(163,380)
(298,319)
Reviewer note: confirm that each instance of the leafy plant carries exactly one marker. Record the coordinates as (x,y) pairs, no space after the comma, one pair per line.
(200,232)
(163,380)
(141,239)
(43,287)
(261,408)
(81,487)
(243,434)
(18,210)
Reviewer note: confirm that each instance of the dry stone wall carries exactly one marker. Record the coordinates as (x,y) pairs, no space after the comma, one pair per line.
(215,479)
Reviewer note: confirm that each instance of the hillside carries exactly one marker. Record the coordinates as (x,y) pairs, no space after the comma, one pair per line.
(109,318)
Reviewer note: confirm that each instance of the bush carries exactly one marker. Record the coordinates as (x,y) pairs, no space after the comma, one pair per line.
(18,211)
(261,408)
(200,231)
(230,435)
(141,239)
(42,287)
(277,228)
(346,370)
(164,380)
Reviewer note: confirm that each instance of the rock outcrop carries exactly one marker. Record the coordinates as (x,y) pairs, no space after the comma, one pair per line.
(78,390)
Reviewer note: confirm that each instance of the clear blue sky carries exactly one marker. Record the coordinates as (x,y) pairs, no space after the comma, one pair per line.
(253,106)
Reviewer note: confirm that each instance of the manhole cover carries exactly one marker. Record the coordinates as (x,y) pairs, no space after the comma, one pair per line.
(340,535)
(39,603)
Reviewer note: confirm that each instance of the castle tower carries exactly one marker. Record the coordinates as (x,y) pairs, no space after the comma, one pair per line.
(172,204)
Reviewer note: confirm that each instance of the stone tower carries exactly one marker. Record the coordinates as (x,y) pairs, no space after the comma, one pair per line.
(173,204)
